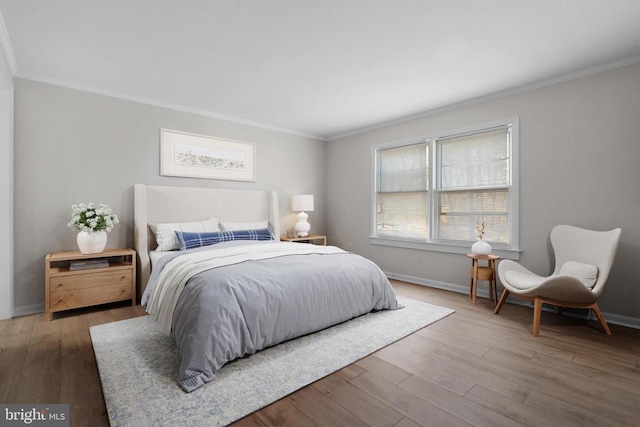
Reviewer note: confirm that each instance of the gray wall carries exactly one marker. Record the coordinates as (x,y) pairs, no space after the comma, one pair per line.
(579,156)
(73,147)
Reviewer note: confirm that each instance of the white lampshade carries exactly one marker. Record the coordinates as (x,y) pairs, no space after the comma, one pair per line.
(302,202)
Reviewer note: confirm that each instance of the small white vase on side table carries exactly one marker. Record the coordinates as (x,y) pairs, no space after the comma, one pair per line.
(481,248)
(92,242)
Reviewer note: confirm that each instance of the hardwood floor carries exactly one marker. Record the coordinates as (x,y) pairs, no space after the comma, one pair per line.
(471,368)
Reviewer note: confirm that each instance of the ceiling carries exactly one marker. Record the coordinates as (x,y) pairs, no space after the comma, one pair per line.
(318,68)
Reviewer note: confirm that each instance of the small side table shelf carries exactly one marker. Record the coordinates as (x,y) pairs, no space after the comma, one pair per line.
(311,238)
(483,272)
(68,285)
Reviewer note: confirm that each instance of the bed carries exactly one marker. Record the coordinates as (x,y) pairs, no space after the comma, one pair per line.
(242,294)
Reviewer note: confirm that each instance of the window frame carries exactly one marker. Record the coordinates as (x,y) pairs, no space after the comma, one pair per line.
(511,251)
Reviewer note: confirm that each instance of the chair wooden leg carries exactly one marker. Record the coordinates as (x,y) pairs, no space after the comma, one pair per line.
(503,298)
(537,312)
(596,309)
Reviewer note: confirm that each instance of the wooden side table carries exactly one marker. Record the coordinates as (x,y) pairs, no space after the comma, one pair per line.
(68,285)
(483,272)
(311,238)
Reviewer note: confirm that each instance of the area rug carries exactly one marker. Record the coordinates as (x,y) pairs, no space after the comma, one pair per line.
(138,367)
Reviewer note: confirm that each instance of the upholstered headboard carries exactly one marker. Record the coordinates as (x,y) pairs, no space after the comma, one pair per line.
(157,204)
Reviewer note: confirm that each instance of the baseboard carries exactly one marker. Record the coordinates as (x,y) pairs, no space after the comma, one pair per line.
(615,319)
(28,309)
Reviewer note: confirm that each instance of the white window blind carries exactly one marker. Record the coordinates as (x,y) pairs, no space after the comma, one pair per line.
(477,160)
(402,208)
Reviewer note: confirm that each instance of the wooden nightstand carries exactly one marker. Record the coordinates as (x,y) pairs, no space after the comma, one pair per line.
(311,238)
(67,287)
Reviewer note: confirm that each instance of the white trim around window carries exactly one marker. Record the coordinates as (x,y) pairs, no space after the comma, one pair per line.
(399,189)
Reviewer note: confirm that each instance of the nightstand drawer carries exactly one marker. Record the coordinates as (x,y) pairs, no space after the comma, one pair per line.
(89,296)
(86,281)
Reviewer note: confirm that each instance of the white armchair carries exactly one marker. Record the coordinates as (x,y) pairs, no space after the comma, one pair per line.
(583,261)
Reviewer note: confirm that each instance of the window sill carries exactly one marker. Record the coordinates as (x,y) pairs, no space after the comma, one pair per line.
(505,253)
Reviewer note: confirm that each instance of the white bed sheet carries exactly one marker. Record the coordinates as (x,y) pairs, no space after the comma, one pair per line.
(156,255)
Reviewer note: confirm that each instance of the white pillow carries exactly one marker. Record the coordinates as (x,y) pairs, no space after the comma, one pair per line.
(586,273)
(166,236)
(235,226)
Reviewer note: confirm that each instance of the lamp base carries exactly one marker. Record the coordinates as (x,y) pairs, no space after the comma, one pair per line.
(302,226)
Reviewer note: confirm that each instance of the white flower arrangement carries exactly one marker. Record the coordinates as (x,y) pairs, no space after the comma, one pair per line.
(89,217)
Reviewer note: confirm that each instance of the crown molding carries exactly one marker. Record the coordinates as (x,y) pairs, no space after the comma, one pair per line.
(161,104)
(497,95)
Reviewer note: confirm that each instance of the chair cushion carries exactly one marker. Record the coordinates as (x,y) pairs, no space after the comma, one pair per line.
(586,273)
(523,281)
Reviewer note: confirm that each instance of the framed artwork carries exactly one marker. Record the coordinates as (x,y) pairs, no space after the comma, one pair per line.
(198,156)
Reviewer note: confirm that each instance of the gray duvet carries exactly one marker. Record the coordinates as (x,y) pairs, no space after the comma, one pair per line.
(229,312)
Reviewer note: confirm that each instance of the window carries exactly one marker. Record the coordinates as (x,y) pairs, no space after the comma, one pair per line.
(432,192)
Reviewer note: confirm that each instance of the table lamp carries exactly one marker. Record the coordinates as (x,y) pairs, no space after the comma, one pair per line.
(301,203)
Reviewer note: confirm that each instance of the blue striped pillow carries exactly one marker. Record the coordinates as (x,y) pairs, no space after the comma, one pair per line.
(195,240)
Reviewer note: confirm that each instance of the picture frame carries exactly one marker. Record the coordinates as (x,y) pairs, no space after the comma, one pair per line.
(189,155)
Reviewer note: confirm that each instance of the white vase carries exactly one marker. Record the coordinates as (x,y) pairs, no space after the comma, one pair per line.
(92,242)
(481,248)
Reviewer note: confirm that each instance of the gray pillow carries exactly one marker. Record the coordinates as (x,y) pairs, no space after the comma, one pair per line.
(235,226)
(586,273)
